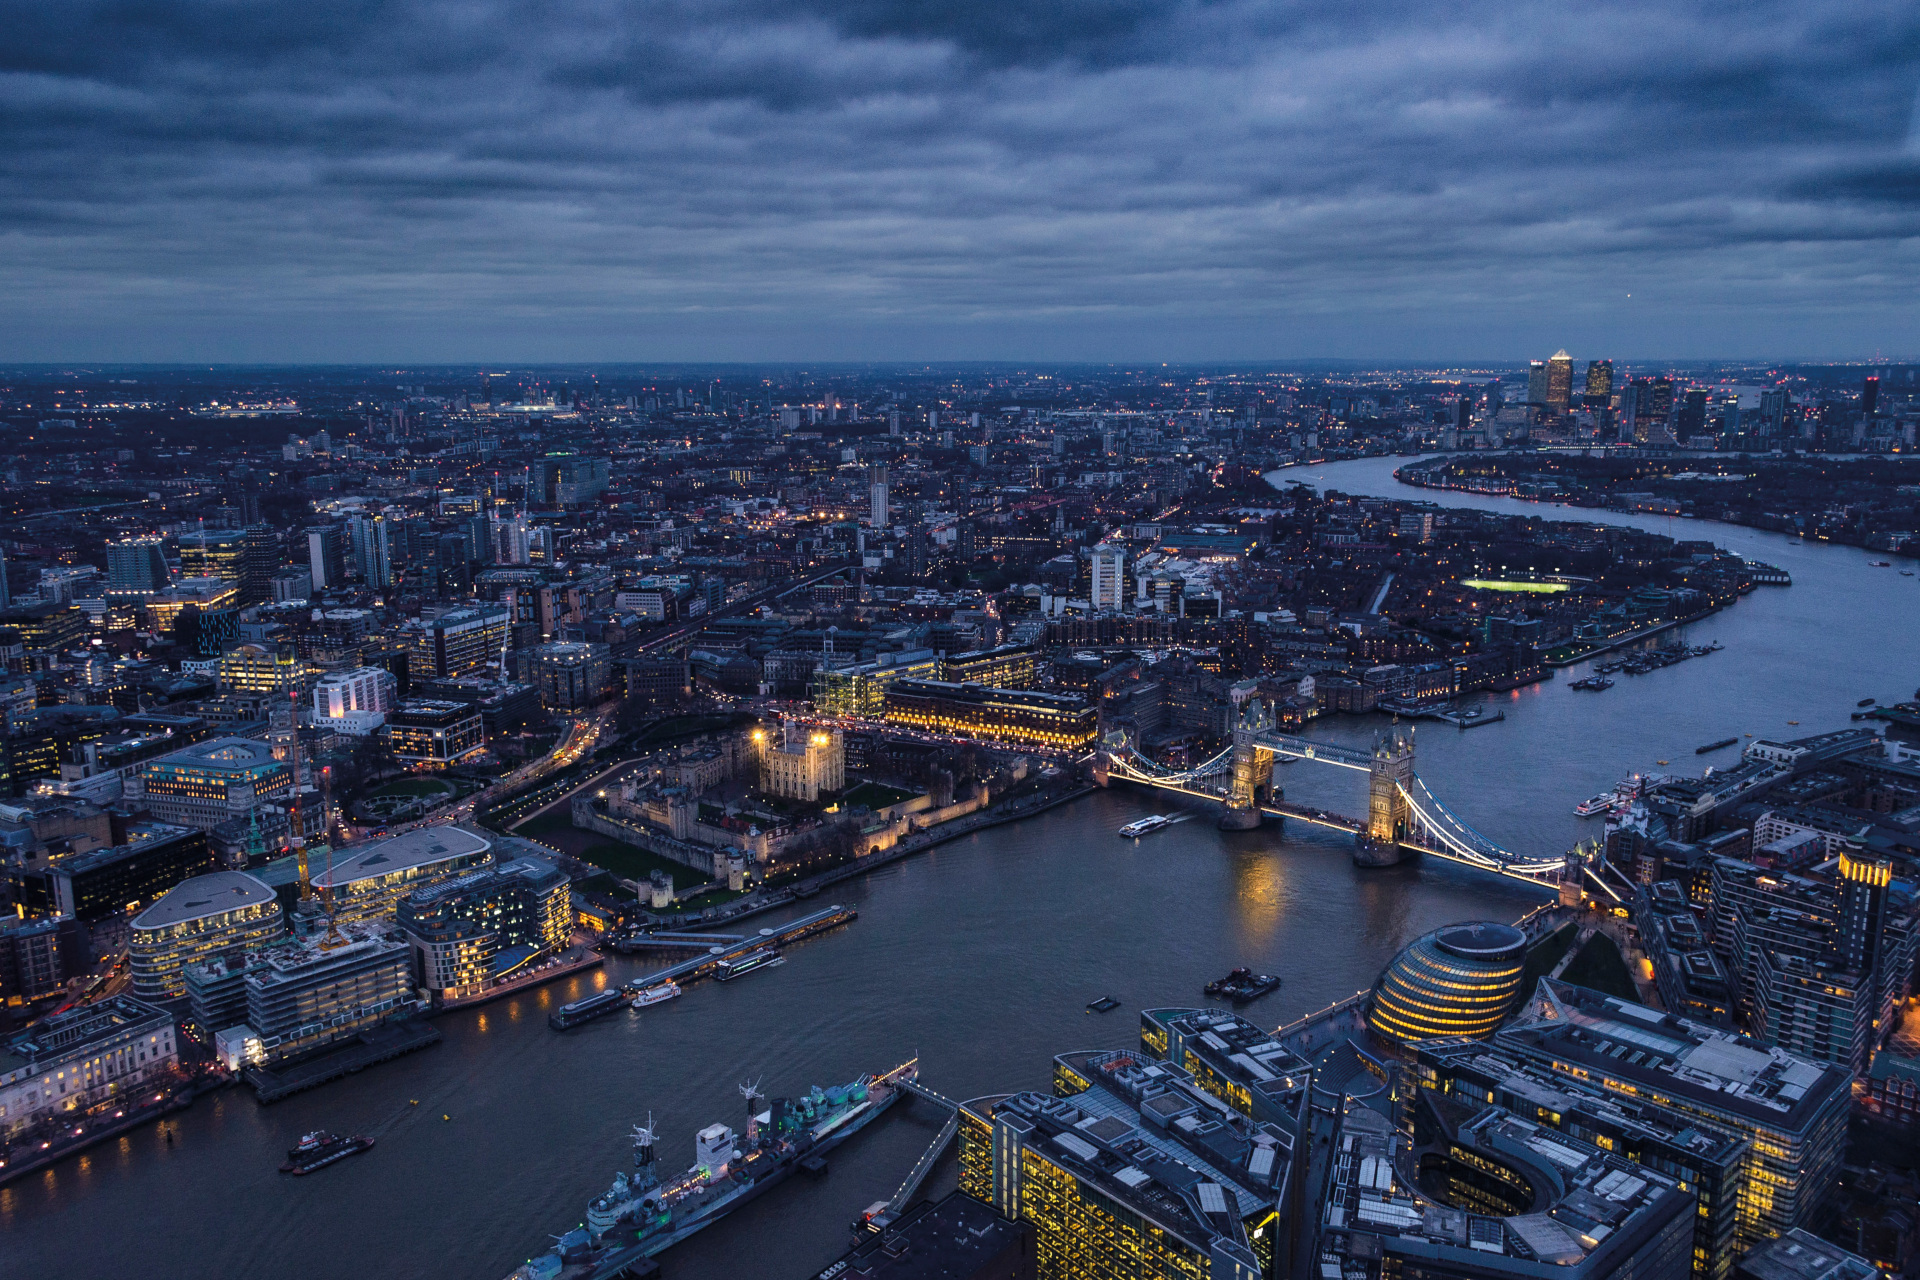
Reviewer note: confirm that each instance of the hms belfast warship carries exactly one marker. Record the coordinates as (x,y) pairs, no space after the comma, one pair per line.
(642,1214)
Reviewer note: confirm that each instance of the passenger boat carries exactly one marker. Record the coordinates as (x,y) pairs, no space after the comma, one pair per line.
(739,966)
(1146,826)
(1597,804)
(642,996)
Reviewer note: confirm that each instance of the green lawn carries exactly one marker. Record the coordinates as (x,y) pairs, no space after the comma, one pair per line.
(1600,967)
(1546,953)
(875,795)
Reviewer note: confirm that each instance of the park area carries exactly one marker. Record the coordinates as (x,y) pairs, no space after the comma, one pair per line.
(403,798)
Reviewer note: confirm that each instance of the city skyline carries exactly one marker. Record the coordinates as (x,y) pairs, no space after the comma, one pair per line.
(1128,181)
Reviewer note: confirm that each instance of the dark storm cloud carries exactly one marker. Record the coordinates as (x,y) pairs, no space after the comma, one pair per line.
(820,178)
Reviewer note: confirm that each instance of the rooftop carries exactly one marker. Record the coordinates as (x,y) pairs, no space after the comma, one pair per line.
(219,753)
(420,848)
(1696,1062)
(1800,1255)
(213,894)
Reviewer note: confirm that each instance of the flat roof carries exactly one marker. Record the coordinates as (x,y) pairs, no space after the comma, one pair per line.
(210,895)
(405,852)
(217,753)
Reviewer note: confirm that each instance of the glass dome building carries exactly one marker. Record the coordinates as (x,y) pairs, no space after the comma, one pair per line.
(1463,980)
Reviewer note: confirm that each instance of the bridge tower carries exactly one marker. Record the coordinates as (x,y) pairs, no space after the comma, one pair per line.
(1389,816)
(1252,767)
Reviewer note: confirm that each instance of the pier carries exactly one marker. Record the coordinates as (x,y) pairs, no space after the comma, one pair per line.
(717,950)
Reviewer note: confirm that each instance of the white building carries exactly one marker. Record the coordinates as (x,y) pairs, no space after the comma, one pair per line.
(356,701)
(1109,588)
(88,1057)
(877,495)
(800,765)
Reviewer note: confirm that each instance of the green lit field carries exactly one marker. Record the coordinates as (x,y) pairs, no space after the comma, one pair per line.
(1496,584)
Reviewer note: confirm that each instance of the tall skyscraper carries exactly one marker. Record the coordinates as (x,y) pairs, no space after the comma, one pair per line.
(327,557)
(372,555)
(259,557)
(1559,380)
(136,567)
(1599,384)
(877,495)
(1537,382)
(1692,417)
(1109,584)
(511,544)
(1870,396)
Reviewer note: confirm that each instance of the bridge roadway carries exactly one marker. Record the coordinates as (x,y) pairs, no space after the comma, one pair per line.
(702,966)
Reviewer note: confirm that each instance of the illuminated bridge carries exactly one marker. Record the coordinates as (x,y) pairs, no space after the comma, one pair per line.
(1403,815)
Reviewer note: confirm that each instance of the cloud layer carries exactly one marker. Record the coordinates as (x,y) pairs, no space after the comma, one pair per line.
(874,179)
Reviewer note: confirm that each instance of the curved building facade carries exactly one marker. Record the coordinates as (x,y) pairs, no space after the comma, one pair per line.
(1463,980)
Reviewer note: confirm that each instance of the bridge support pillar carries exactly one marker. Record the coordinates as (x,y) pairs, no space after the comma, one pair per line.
(1388,813)
(1252,769)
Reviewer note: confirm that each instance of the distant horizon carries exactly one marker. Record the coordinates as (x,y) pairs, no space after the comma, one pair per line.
(1289,364)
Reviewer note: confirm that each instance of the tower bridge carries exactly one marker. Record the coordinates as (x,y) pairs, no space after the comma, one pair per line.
(1403,814)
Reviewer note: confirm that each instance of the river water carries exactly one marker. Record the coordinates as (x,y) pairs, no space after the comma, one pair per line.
(978,956)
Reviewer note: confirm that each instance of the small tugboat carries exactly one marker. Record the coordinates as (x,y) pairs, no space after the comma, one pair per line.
(1864,702)
(1242,985)
(319,1149)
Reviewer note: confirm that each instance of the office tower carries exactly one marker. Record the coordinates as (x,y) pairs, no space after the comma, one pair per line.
(1537,382)
(877,514)
(327,557)
(260,556)
(460,927)
(1792,1109)
(1133,1169)
(1463,412)
(212,553)
(1559,380)
(460,642)
(1109,581)
(196,920)
(893,422)
(214,781)
(933,420)
(136,568)
(1870,396)
(372,554)
(1773,409)
(1692,417)
(1599,384)
(452,562)
(1476,1192)
(510,540)
(1712,1163)
(360,690)
(6,595)
(1629,419)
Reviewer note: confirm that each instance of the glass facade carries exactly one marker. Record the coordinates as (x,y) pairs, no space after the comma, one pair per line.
(1463,980)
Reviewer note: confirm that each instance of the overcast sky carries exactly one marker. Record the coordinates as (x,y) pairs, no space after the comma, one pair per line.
(923,179)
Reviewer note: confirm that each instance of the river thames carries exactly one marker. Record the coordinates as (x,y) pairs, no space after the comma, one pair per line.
(978,956)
